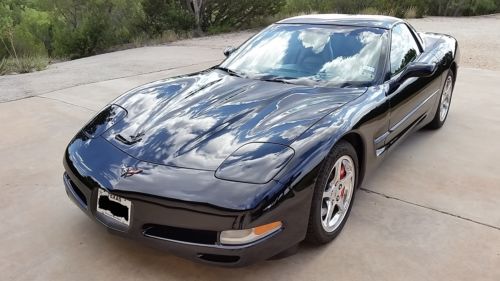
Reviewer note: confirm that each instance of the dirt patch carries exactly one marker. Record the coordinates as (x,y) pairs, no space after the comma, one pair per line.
(478,37)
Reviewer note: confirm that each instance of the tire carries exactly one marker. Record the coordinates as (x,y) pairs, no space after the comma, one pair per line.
(321,230)
(446,95)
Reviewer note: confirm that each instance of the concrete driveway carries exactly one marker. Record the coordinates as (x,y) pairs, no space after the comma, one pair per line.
(431,212)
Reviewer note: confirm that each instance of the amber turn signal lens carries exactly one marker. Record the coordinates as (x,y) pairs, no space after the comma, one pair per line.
(245,236)
(263,229)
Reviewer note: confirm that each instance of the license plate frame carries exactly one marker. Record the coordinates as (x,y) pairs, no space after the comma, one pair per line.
(115,201)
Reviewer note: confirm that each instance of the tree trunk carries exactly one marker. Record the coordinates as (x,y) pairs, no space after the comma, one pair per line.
(196,7)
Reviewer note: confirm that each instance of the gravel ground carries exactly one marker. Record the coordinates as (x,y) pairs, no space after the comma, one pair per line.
(478,37)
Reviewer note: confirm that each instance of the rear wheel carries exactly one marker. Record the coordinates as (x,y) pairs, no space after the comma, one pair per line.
(334,194)
(444,103)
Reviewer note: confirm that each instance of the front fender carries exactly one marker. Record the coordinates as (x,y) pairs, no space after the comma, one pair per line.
(366,116)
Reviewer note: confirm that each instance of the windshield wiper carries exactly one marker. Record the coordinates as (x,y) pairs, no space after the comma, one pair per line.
(230,71)
(285,80)
(353,84)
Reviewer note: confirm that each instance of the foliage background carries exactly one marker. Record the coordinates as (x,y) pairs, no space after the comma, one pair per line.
(32,31)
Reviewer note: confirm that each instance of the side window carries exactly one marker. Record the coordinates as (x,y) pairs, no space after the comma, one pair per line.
(404,49)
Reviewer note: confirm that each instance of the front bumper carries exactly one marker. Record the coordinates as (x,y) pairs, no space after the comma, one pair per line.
(149,211)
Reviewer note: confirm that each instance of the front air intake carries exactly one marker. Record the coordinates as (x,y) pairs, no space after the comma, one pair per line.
(178,234)
(218,258)
(76,191)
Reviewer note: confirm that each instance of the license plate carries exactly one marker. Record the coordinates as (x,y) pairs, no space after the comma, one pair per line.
(114,207)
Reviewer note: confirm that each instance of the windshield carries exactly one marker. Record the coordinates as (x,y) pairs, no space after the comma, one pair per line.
(325,55)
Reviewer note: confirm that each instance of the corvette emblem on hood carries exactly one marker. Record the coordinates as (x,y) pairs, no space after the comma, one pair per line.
(129,171)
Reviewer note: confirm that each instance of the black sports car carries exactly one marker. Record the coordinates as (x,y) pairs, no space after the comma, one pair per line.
(241,162)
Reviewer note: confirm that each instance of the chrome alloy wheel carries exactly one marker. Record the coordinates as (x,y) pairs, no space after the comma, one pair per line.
(446,99)
(338,193)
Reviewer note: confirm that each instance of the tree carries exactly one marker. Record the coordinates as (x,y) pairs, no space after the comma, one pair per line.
(223,13)
(163,15)
(196,7)
(83,28)
(8,16)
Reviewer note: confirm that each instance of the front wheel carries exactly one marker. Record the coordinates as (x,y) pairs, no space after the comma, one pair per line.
(333,194)
(444,103)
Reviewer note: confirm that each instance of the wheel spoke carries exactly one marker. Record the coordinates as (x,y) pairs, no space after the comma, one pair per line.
(327,194)
(329,212)
(341,206)
(324,211)
(338,168)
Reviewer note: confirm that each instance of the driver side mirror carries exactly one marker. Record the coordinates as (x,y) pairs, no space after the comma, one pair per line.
(413,69)
(417,69)
(228,51)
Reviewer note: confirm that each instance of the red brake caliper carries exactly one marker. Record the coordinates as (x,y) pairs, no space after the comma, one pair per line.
(342,176)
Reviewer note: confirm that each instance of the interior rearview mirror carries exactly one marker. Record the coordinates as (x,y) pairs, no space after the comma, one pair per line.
(228,51)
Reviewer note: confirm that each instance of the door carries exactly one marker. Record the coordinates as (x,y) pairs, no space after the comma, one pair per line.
(412,98)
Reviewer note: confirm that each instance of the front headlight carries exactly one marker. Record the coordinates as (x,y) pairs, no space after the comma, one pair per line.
(245,236)
(104,120)
(255,162)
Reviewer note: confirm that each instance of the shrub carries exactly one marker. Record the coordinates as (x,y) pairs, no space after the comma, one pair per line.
(23,64)
(480,7)
(83,28)
(370,11)
(307,6)
(32,35)
(230,15)
(411,13)
(463,7)
(30,63)
(163,15)
(3,66)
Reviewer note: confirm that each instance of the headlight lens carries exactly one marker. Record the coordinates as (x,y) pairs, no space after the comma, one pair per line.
(255,162)
(104,120)
(245,236)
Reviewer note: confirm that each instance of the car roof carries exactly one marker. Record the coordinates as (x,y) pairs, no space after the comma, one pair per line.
(349,20)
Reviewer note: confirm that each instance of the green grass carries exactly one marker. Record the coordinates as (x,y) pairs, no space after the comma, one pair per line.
(168,36)
(411,13)
(23,64)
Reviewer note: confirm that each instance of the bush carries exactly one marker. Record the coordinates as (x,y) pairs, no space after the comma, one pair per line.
(463,7)
(387,7)
(23,64)
(163,15)
(228,15)
(307,6)
(83,28)
(370,11)
(411,13)
(480,7)
(32,33)
(166,37)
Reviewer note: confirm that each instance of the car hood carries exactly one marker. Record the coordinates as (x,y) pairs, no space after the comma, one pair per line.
(197,121)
